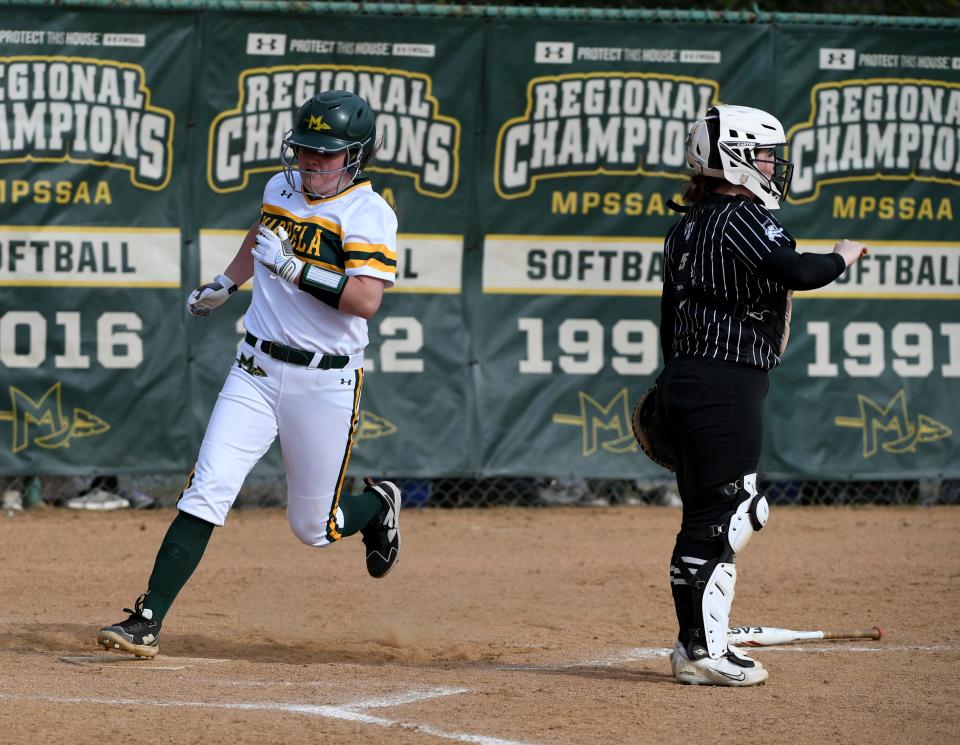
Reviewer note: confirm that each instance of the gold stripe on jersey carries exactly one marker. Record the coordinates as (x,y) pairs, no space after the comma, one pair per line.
(380,248)
(373,264)
(281,215)
(332,532)
(374,255)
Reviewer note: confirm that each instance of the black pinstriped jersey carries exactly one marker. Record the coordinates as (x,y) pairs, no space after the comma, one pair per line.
(716,302)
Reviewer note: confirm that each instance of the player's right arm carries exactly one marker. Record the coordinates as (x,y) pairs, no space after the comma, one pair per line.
(755,236)
(241,268)
(212,295)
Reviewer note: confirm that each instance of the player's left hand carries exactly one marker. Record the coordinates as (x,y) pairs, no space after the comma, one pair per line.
(274,251)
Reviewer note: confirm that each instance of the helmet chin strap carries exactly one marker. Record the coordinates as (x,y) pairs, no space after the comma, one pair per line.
(350,169)
(337,189)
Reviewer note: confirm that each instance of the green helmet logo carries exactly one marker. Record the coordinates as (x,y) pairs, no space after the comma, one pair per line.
(331,122)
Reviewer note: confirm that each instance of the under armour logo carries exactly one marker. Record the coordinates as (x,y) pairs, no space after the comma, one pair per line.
(285,193)
(837,59)
(346,381)
(266,44)
(553,52)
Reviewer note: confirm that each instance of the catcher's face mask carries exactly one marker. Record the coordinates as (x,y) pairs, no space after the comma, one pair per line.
(724,145)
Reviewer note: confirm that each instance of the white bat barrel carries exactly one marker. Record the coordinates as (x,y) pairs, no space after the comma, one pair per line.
(766,636)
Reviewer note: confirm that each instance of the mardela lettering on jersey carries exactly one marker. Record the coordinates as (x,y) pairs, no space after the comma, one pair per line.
(63,256)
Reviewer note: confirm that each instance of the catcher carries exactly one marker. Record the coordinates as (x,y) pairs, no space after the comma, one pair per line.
(730,267)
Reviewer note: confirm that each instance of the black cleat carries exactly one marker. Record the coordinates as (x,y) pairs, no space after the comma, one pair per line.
(139,635)
(381,536)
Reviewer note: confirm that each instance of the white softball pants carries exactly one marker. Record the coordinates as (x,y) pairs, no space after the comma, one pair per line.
(314,412)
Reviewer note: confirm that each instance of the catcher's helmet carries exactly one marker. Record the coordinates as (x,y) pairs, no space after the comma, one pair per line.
(331,122)
(724,142)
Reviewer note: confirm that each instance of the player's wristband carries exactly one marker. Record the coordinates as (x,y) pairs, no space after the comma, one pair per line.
(325,285)
(228,284)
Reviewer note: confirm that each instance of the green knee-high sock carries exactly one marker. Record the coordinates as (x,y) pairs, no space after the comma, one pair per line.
(179,555)
(358,510)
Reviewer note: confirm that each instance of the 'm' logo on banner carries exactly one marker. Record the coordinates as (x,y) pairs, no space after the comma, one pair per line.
(43,422)
(373,427)
(900,435)
(607,426)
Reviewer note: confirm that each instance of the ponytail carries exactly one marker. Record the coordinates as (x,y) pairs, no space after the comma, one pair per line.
(698,187)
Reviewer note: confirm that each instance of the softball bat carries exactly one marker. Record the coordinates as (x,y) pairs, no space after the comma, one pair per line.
(768,636)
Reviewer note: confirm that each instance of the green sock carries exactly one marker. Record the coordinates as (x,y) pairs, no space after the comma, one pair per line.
(358,510)
(179,555)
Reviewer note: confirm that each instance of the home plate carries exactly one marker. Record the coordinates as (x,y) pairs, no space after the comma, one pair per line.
(130,662)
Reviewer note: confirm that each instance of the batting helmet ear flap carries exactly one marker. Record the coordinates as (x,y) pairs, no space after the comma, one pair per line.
(713,133)
(702,150)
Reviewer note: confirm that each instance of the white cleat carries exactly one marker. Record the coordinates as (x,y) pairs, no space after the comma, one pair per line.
(733,669)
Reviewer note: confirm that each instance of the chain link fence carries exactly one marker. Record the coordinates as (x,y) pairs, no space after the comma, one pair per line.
(148,491)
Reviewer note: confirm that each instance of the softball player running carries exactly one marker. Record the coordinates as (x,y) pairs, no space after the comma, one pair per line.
(321,255)
(730,268)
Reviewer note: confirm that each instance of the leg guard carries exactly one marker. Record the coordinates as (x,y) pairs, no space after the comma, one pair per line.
(717,578)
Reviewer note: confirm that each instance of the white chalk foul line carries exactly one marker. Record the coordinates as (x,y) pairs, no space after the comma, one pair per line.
(347,712)
(621,656)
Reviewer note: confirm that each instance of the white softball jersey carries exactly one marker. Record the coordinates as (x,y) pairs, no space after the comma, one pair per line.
(352,233)
(314,411)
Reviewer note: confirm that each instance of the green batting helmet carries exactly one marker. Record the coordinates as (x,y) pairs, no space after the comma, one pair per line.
(331,122)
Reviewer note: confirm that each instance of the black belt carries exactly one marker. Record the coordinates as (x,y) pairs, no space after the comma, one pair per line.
(298,356)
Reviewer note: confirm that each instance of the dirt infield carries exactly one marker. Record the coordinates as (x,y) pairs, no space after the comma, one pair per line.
(497,627)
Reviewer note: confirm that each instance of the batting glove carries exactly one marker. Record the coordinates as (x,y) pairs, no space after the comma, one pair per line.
(209,296)
(274,251)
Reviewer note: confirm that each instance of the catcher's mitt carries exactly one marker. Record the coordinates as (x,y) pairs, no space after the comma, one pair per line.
(649,433)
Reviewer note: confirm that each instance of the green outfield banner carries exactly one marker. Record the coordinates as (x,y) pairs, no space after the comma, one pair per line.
(529,163)
(93,126)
